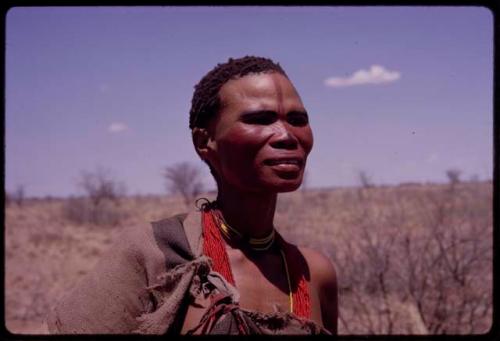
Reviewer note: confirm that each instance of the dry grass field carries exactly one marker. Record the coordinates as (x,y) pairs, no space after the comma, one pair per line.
(411,259)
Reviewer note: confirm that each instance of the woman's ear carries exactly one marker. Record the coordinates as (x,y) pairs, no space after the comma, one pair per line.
(202,142)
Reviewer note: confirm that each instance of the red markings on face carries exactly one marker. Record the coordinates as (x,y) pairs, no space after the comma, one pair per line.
(279,95)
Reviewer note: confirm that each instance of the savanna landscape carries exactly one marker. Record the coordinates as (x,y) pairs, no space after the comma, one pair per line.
(410,258)
(395,96)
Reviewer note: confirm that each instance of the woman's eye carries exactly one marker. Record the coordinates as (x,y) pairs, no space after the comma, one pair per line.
(259,119)
(298,120)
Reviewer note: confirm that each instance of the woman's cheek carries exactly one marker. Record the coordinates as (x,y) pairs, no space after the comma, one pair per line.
(307,140)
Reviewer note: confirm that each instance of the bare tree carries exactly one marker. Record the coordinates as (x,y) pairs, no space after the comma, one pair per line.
(474,178)
(365,179)
(453,176)
(19,195)
(100,185)
(185,179)
(102,201)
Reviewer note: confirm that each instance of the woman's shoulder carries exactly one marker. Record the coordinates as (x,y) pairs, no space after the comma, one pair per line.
(320,265)
(149,231)
(148,243)
(315,258)
(324,280)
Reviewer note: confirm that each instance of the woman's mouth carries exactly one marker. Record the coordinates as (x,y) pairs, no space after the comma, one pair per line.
(285,164)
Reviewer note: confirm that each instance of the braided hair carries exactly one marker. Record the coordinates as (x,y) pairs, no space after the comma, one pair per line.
(206,102)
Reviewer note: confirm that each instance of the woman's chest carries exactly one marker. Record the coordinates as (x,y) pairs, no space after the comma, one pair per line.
(263,284)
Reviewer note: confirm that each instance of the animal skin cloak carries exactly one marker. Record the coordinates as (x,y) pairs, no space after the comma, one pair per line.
(146,281)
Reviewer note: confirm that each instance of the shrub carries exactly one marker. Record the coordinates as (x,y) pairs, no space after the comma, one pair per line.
(185,179)
(101,205)
(85,211)
(99,186)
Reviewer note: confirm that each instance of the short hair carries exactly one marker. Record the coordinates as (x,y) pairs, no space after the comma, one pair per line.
(206,101)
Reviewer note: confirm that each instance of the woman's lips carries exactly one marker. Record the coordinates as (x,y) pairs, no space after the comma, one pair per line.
(285,164)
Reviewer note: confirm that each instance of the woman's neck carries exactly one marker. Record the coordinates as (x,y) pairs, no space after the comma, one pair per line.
(252,214)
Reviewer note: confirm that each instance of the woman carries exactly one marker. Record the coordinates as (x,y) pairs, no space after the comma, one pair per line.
(225,269)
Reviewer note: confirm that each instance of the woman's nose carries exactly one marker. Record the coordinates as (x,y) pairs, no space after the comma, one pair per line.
(282,137)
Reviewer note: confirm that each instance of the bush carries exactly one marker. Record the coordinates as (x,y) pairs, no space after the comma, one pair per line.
(99,185)
(85,211)
(185,179)
(438,269)
(18,196)
(101,205)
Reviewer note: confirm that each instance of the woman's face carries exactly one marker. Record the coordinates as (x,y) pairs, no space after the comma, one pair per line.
(261,136)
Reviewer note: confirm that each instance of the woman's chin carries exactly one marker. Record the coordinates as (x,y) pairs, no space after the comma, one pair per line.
(271,184)
(285,185)
(289,189)
(286,182)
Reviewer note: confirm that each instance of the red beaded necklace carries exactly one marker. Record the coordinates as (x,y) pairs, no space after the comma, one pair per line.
(214,247)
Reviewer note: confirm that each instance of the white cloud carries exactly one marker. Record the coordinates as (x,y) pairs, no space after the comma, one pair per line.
(117,127)
(377,74)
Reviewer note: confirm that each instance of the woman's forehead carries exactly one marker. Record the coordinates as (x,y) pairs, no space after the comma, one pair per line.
(261,85)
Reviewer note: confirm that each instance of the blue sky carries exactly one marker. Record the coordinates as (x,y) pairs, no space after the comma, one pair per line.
(401,93)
